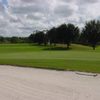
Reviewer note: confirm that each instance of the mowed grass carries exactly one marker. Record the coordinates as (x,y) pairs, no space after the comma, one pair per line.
(79,58)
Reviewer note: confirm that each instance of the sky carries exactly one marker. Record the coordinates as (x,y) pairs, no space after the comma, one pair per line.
(22,17)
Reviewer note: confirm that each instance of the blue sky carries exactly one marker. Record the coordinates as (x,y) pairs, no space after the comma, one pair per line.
(22,17)
(5,2)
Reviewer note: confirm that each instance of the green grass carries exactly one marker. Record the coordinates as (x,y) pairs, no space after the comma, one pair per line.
(79,58)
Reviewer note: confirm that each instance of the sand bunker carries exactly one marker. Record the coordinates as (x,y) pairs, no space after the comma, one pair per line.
(18,83)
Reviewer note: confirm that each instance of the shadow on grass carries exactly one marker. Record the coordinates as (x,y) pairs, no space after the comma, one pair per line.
(51,48)
(57,48)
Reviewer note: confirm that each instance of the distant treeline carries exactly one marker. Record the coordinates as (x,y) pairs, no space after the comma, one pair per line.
(63,34)
(14,39)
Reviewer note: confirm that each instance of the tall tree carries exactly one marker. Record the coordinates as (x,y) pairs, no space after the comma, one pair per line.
(39,37)
(31,38)
(61,33)
(52,36)
(91,33)
(72,34)
(67,33)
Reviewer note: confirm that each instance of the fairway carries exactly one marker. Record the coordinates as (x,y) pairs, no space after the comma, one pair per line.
(79,58)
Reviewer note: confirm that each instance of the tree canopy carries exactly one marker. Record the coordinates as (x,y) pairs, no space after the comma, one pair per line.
(91,33)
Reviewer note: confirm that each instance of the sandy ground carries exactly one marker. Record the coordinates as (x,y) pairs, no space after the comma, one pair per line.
(36,84)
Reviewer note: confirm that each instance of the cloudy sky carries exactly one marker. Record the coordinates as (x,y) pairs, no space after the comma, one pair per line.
(22,17)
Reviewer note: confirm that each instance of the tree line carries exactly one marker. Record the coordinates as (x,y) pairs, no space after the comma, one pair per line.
(63,34)
(69,33)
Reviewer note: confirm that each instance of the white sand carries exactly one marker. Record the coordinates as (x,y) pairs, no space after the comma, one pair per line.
(36,84)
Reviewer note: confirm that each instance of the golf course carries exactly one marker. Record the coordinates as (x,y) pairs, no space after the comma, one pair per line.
(77,58)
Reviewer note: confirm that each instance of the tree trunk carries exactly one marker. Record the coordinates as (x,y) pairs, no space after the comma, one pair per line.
(93,47)
(68,44)
(54,44)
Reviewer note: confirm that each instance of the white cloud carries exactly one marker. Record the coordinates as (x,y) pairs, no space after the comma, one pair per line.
(88,1)
(22,17)
(63,11)
(1,7)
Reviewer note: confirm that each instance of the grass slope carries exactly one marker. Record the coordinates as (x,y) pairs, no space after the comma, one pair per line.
(80,58)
